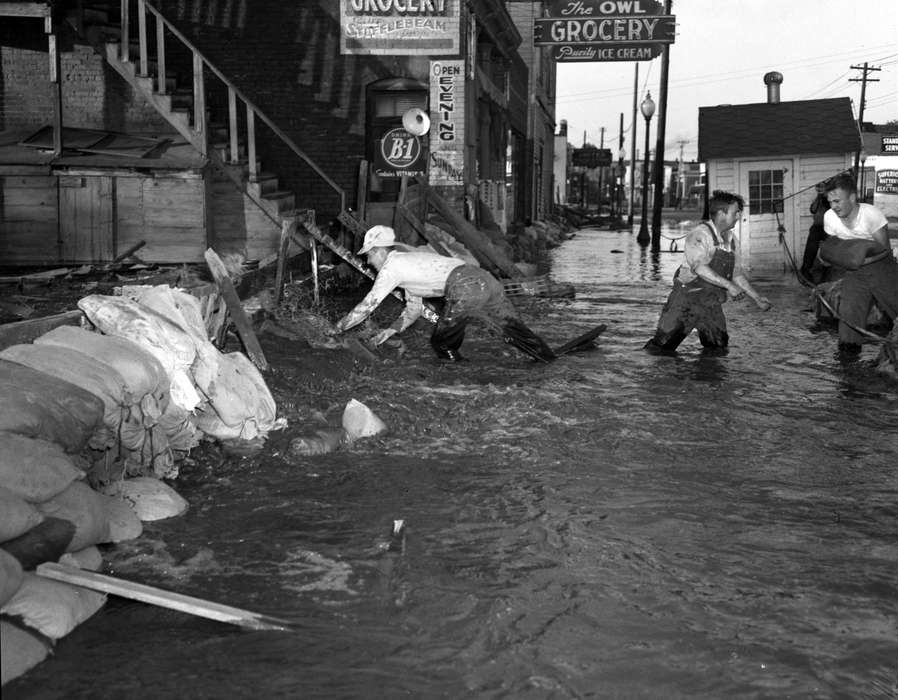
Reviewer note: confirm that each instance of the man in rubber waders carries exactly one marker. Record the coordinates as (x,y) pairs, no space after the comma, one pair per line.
(862,248)
(469,292)
(708,276)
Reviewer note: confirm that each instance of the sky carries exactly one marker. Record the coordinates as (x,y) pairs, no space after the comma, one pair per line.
(722,50)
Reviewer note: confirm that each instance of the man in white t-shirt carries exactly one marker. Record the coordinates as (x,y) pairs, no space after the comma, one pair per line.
(469,292)
(877,276)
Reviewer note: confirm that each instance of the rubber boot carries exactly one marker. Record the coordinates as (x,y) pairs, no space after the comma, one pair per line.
(525,340)
(447,339)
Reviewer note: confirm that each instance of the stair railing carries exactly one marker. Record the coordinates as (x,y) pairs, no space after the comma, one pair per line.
(200,63)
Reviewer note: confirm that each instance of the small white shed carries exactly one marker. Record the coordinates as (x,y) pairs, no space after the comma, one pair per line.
(772,152)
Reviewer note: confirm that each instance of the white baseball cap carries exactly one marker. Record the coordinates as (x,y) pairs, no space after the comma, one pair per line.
(378,237)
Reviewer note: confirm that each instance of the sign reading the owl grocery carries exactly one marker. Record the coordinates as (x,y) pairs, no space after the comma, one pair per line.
(400,27)
(605,30)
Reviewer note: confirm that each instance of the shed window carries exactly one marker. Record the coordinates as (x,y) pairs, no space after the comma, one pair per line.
(765,191)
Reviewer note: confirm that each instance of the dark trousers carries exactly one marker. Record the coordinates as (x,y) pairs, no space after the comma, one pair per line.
(689,308)
(876,281)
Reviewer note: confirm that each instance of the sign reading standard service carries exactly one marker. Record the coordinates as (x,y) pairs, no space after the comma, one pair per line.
(605,30)
(400,27)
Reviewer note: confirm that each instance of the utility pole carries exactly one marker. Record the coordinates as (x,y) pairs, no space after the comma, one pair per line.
(659,145)
(601,169)
(863,80)
(619,180)
(633,146)
(681,175)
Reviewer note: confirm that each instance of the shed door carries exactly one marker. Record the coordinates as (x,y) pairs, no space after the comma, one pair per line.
(86,219)
(767,186)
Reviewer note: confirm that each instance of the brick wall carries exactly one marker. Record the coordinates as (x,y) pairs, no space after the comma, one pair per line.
(94,96)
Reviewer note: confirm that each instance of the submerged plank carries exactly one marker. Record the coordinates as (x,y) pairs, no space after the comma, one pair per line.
(26,331)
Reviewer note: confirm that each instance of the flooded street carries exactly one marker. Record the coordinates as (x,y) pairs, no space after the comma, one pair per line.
(613,525)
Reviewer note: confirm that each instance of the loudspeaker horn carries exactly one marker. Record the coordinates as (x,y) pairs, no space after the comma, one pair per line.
(416,122)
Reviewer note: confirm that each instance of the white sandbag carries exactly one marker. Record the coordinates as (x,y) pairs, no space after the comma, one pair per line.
(142,373)
(86,508)
(88,558)
(359,421)
(17,516)
(179,429)
(183,310)
(11,576)
(51,607)
(167,342)
(20,651)
(35,469)
(240,403)
(151,498)
(124,523)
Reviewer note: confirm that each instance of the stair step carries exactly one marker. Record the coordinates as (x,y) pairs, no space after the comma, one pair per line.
(282,199)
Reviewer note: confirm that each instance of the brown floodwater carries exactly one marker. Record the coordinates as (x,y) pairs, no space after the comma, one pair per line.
(613,525)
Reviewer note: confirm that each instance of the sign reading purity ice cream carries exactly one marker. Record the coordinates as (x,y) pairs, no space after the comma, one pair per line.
(447,114)
(400,27)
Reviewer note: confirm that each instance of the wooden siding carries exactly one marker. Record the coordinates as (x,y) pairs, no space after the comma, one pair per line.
(86,226)
(168,213)
(29,211)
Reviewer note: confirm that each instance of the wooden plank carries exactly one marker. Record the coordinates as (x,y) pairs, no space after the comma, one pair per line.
(158,596)
(229,294)
(288,228)
(489,256)
(26,331)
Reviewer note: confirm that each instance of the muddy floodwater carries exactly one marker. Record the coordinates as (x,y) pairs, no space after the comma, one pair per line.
(613,525)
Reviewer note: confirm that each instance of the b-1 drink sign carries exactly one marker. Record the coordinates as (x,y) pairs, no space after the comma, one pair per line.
(605,30)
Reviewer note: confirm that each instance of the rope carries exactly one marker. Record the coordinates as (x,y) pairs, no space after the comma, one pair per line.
(781,230)
(863,331)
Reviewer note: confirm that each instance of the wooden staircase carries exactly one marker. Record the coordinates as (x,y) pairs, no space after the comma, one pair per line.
(134,36)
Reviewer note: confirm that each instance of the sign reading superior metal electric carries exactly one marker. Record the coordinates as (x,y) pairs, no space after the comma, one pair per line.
(605,30)
(400,27)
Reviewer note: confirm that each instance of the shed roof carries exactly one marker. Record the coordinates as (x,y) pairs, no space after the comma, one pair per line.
(782,128)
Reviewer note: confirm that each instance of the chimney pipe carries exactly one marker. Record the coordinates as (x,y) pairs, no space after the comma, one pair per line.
(562,129)
(773,80)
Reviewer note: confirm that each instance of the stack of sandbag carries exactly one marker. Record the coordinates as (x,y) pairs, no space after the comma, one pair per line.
(48,513)
(234,400)
(146,433)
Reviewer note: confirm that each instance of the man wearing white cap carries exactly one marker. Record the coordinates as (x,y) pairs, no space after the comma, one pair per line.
(469,291)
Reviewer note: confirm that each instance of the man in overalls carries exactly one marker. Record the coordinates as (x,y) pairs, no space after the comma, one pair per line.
(709,274)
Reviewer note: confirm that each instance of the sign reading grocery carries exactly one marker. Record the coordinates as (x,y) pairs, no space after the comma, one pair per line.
(400,27)
(447,119)
(605,30)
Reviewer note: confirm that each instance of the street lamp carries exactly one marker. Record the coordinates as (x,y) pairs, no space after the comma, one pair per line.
(648,109)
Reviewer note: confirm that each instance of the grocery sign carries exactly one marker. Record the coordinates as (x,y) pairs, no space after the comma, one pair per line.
(605,30)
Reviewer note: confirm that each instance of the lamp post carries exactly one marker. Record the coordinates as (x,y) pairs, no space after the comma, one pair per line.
(863,177)
(648,109)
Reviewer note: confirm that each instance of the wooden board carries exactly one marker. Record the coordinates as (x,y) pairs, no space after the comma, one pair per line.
(26,331)
(158,596)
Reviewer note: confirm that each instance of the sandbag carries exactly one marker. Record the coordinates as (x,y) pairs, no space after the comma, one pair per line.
(82,370)
(45,542)
(51,607)
(124,523)
(150,498)
(167,342)
(142,373)
(847,253)
(11,575)
(40,405)
(240,404)
(17,516)
(35,469)
(19,651)
(88,558)
(359,421)
(84,507)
